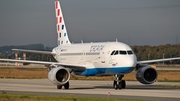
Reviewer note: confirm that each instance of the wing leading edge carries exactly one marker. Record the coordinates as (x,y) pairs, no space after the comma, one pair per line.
(157,60)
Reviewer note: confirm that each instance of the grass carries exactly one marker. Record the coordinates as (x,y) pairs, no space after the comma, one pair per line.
(23,73)
(23,97)
(40,73)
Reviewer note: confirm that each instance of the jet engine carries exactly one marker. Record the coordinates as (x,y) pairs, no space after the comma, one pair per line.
(59,75)
(146,75)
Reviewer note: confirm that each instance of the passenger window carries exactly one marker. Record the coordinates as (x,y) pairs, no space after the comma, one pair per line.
(116,53)
(123,52)
(112,52)
(130,52)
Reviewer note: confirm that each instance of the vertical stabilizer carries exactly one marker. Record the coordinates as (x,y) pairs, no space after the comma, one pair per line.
(60,25)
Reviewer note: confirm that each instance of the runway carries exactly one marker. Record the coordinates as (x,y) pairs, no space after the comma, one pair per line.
(134,89)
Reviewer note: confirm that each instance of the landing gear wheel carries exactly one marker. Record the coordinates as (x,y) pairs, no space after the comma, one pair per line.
(120,85)
(59,87)
(66,86)
(115,85)
(118,82)
(123,83)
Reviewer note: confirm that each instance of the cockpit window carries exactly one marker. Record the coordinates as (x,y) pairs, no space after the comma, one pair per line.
(123,52)
(112,52)
(116,53)
(130,52)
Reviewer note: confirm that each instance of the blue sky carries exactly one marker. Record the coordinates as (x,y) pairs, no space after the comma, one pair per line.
(135,22)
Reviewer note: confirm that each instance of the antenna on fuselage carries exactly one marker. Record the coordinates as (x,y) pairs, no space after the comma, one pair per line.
(116,40)
(82,41)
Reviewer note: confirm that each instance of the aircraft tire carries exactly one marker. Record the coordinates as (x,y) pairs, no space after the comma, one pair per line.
(66,86)
(59,87)
(123,83)
(120,85)
(115,85)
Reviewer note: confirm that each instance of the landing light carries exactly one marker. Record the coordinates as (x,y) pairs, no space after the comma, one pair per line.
(153,66)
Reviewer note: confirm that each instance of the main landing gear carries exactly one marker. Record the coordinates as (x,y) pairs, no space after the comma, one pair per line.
(118,82)
(66,86)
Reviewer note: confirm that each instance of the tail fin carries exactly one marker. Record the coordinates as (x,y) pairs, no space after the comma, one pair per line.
(60,25)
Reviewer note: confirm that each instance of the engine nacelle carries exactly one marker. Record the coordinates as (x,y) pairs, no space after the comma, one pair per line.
(59,75)
(146,75)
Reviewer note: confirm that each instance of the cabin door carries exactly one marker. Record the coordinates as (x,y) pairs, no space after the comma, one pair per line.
(104,55)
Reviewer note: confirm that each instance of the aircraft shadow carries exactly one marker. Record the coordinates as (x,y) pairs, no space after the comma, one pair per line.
(141,87)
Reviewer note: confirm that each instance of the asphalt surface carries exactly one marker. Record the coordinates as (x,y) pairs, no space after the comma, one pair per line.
(134,90)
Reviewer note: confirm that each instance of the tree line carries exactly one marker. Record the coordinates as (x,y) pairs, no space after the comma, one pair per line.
(145,52)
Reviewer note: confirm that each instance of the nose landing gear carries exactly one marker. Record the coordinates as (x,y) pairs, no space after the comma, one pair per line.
(118,82)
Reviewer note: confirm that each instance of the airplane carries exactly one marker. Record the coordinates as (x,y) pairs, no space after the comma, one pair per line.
(92,59)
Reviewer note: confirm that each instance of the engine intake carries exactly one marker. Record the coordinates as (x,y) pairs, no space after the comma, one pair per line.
(146,75)
(59,75)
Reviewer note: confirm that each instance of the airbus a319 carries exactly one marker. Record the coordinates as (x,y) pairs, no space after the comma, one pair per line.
(92,59)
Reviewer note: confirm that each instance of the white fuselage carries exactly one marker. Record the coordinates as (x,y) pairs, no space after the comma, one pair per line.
(105,58)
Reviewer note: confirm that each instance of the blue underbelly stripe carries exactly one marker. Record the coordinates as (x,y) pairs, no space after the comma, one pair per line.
(96,71)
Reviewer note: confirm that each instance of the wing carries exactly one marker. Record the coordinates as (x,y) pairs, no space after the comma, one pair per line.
(78,67)
(34,51)
(157,60)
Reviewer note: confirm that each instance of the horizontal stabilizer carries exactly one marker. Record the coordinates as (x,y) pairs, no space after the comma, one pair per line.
(34,51)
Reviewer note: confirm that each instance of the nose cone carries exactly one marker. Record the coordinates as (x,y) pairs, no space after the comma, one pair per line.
(130,61)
